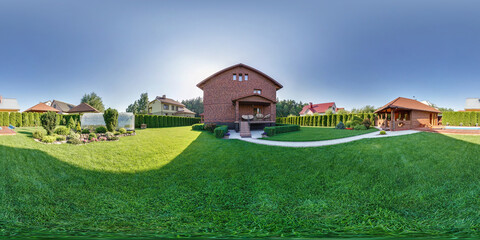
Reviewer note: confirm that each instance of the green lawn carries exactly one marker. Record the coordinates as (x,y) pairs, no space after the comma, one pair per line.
(317,134)
(176,182)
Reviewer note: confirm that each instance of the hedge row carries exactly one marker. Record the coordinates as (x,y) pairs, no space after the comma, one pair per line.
(461,118)
(281,128)
(156,121)
(329,120)
(31,119)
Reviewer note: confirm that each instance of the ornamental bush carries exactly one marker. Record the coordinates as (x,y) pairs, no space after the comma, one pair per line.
(101,129)
(220,131)
(49,139)
(122,130)
(92,136)
(49,122)
(366,122)
(78,128)
(86,131)
(62,130)
(71,123)
(75,141)
(60,138)
(340,125)
(111,119)
(360,127)
(383,132)
(210,126)
(38,134)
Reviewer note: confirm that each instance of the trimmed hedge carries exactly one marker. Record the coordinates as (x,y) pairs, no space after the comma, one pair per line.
(198,127)
(460,118)
(281,128)
(220,131)
(329,120)
(31,119)
(156,121)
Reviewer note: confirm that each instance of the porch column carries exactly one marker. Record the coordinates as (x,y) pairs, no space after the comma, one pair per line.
(273,113)
(392,117)
(237,111)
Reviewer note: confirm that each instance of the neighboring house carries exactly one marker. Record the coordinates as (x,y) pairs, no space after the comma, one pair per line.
(472,104)
(184,112)
(404,113)
(9,105)
(239,92)
(320,108)
(42,108)
(62,107)
(168,107)
(83,108)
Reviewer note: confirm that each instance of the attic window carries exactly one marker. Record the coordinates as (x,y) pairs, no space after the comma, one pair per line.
(257,91)
(234,77)
(240,77)
(246,77)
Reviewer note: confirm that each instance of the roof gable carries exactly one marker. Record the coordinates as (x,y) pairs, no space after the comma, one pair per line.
(202,83)
(83,107)
(407,103)
(253,97)
(62,106)
(41,107)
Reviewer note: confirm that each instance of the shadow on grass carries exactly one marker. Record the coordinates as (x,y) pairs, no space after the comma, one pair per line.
(424,184)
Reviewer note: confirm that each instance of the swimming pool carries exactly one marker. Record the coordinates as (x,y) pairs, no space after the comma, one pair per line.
(463,128)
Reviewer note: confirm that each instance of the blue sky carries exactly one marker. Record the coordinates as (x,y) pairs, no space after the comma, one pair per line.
(352,52)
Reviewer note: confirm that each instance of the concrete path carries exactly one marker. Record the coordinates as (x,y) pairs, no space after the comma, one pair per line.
(258,134)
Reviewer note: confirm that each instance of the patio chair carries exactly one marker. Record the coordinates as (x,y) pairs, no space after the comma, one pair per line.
(259,116)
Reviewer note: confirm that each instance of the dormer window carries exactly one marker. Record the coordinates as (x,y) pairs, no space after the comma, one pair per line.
(240,77)
(246,77)
(234,77)
(257,91)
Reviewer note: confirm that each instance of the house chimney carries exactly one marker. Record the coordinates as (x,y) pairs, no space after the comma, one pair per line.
(164,96)
(311,105)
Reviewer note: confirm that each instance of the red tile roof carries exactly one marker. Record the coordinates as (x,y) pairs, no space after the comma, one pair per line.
(83,107)
(407,103)
(41,107)
(317,108)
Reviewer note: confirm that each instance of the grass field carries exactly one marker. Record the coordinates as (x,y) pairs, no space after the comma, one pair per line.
(317,134)
(176,182)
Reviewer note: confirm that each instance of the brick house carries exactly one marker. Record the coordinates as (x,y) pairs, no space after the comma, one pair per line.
(404,113)
(234,94)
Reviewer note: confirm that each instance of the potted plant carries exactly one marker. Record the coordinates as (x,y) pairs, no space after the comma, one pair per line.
(226,136)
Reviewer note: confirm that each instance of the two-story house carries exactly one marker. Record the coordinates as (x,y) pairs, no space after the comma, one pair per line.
(235,94)
(168,107)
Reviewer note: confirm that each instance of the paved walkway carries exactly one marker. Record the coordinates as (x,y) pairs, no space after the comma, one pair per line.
(258,134)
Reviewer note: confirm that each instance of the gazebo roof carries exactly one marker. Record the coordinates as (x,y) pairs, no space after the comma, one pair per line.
(407,103)
(41,107)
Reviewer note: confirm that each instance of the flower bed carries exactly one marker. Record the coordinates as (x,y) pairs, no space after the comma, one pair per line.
(83,138)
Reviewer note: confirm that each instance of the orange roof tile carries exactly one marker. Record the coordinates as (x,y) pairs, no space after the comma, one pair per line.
(41,107)
(407,103)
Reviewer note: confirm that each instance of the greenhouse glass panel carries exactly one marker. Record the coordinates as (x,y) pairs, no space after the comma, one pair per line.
(92,120)
(126,120)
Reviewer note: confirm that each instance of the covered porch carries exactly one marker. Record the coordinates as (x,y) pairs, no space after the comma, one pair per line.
(255,109)
(395,119)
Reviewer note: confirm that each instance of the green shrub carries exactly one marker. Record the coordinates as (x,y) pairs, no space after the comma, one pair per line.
(111,119)
(78,128)
(49,122)
(270,131)
(71,123)
(122,130)
(130,132)
(73,135)
(86,131)
(60,138)
(114,138)
(356,120)
(366,122)
(92,136)
(62,130)
(109,135)
(340,125)
(210,126)
(116,133)
(75,141)
(349,124)
(220,131)
(38,134)
(49,139)
(198,127)
(383,132)
(101,129)
(360,127)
